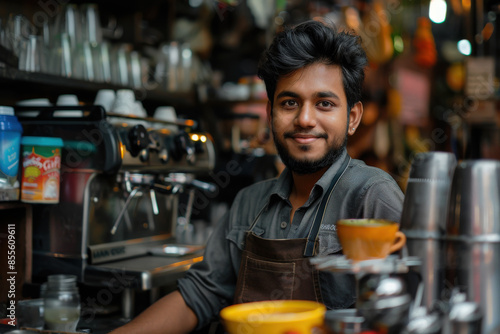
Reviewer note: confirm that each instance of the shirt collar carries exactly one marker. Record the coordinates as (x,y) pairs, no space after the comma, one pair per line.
(327,178)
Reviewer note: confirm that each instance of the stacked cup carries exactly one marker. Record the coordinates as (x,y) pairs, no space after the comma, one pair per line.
(424,217)
(473,237)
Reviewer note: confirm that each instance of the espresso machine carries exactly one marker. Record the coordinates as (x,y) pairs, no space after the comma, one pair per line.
(122,178)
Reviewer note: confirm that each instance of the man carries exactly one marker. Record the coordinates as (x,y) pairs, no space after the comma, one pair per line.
(260,249)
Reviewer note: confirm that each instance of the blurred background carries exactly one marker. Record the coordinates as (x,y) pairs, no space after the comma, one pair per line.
(432,84)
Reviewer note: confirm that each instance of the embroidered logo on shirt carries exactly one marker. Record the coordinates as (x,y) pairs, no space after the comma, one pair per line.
(328,227)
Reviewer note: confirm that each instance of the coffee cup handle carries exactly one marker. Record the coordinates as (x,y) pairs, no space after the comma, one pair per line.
(399,242)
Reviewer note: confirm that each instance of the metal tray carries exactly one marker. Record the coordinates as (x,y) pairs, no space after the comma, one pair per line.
(388,265)
(175,250)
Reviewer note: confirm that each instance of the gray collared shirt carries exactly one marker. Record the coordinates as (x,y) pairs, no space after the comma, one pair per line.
(362,192)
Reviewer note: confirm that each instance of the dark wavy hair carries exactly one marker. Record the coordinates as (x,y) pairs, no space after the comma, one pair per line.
(315,42)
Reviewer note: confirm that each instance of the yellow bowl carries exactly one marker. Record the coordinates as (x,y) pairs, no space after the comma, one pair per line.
(273,317)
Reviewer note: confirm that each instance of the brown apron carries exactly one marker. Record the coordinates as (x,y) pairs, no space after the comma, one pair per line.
(274,269)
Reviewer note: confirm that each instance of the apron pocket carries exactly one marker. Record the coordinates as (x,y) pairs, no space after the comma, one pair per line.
(266,280)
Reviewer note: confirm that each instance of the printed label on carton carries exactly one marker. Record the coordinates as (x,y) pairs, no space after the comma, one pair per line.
(41,175)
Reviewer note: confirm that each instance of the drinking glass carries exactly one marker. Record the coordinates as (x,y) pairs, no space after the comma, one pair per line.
(32,54)
(173,67)
(119,65)
(101,60)
(185,68)
(60,59)
(83,62)
(69,22)
(92,30)
(17,30)
(135,70)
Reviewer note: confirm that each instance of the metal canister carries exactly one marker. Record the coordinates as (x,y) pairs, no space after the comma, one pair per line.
(473,237)
(424,215)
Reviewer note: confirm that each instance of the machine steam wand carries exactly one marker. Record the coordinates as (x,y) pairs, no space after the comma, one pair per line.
(122,212)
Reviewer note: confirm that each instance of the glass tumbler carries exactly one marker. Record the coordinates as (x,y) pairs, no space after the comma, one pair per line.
(62,303)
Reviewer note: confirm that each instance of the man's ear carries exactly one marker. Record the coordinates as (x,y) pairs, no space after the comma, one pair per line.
(269,112)
(355,115)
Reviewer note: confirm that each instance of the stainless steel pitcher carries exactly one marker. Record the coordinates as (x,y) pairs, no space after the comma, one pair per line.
(424,214)
(473,237)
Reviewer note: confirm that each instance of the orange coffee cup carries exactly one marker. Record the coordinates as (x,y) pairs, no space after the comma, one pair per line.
(366,239)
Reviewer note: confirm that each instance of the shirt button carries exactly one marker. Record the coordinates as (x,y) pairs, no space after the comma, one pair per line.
(283,224)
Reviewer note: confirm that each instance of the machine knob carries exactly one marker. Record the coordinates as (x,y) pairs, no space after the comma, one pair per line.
(183,145)
(144,155)
(163,155)
(138,138)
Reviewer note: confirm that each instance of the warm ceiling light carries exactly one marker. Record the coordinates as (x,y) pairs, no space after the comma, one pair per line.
(466,5)
(437,11)
(464,47)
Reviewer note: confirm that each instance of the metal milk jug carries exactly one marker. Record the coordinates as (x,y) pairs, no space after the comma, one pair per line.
(473,237)
(423,219)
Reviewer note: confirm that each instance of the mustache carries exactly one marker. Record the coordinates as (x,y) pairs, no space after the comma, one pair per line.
(291,134)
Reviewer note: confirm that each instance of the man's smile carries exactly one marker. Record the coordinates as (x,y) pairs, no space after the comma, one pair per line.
(305,138)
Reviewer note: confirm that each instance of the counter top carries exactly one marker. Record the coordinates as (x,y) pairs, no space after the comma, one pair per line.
(98,325)
(144,273)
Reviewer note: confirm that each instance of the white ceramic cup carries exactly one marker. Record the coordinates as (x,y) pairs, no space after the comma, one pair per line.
(105,98)
(40,102)
(124,102)
(68,100)
(139,109)
(166,113)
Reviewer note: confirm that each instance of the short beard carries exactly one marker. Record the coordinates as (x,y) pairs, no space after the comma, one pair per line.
(303,167)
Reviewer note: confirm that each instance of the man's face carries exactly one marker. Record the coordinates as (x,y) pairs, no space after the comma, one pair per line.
(309,118)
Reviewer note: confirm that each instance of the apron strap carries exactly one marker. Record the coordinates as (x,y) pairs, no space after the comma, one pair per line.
(318,218)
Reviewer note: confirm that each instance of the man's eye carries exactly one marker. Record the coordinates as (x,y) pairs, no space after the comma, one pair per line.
(288,103)
(326,104)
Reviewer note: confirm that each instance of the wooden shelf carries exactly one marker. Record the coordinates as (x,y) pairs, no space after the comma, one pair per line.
(222,102)
(19,85)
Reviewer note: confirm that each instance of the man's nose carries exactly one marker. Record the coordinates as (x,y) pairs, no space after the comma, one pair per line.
(306,118)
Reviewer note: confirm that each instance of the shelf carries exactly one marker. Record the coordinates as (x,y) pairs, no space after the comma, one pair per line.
(340,264)
(226,102)
(19,85)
